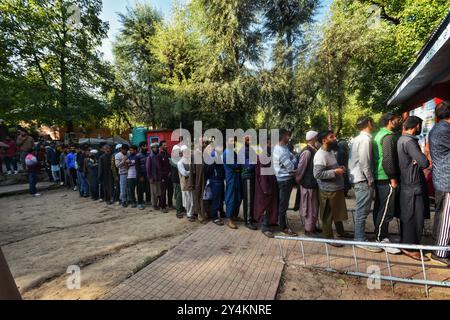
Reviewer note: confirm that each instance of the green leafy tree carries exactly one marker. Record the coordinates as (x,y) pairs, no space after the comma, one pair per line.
(137,69)
(55,58)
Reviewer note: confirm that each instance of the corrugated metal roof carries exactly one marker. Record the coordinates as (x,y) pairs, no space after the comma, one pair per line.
(433,60)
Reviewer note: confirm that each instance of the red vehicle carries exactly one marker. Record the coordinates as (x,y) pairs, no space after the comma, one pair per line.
(161,135)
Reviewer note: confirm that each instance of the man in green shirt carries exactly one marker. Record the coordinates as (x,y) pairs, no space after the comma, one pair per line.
(386,177)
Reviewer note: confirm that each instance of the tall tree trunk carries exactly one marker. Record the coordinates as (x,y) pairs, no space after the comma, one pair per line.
(340,120)
(330,116)
(63,73)
(152,107)
(290,53)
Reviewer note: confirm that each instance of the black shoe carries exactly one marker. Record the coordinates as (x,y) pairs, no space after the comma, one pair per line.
(252,226)
(124,204)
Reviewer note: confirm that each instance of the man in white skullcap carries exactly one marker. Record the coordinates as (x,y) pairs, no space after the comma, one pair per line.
(175,177)
(187,182)
(309,190)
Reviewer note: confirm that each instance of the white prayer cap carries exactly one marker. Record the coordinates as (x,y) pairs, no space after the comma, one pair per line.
(118,146)
(311,135)
(154,144)
(93,151)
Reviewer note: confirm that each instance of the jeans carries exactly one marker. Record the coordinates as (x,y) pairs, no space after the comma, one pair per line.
(22,155)
(217,188)
(123,188)
(79,173)
(32,180)
(131,187)
(284,195)
(55,173)
(83,184)
(11,163)
(364,195)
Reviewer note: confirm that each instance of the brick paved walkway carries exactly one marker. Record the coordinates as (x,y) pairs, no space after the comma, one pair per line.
(219,263)
(213,263)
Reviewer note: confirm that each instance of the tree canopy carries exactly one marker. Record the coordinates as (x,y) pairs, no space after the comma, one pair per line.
(235,63)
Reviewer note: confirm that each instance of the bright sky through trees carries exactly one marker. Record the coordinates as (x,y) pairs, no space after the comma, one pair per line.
(111,9)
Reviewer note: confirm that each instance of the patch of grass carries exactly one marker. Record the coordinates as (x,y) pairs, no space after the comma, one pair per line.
(146,262)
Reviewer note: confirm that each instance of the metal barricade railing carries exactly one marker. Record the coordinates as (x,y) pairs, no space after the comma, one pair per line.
(351,212)
(354,244)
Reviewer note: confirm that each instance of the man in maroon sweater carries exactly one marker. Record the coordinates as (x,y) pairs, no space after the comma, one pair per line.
(163,169)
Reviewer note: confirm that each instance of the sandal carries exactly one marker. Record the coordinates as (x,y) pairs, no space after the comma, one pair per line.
(218,222)
(232,225)
(180,216)
(269,234)
(415,255)
(289,232)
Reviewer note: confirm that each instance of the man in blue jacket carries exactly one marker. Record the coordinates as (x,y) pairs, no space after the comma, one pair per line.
(233,182)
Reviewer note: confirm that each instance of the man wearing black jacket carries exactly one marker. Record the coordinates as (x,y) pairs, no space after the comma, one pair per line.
(413,208)
(105,174)
(386,177)
(143,186)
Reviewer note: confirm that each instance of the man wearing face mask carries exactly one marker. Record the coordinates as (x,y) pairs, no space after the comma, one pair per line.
(330,178)
(413,208)
(386,177)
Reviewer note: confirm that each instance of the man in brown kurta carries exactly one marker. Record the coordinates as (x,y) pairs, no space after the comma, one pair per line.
(266,192)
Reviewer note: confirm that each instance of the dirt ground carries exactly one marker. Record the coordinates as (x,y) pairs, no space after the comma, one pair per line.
(42,237)
(300,283)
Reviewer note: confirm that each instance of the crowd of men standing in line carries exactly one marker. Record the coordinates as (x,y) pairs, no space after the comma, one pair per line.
(386,170)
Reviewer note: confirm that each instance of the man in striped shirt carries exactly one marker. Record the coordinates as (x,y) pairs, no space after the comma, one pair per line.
(284,164)
(440,155)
